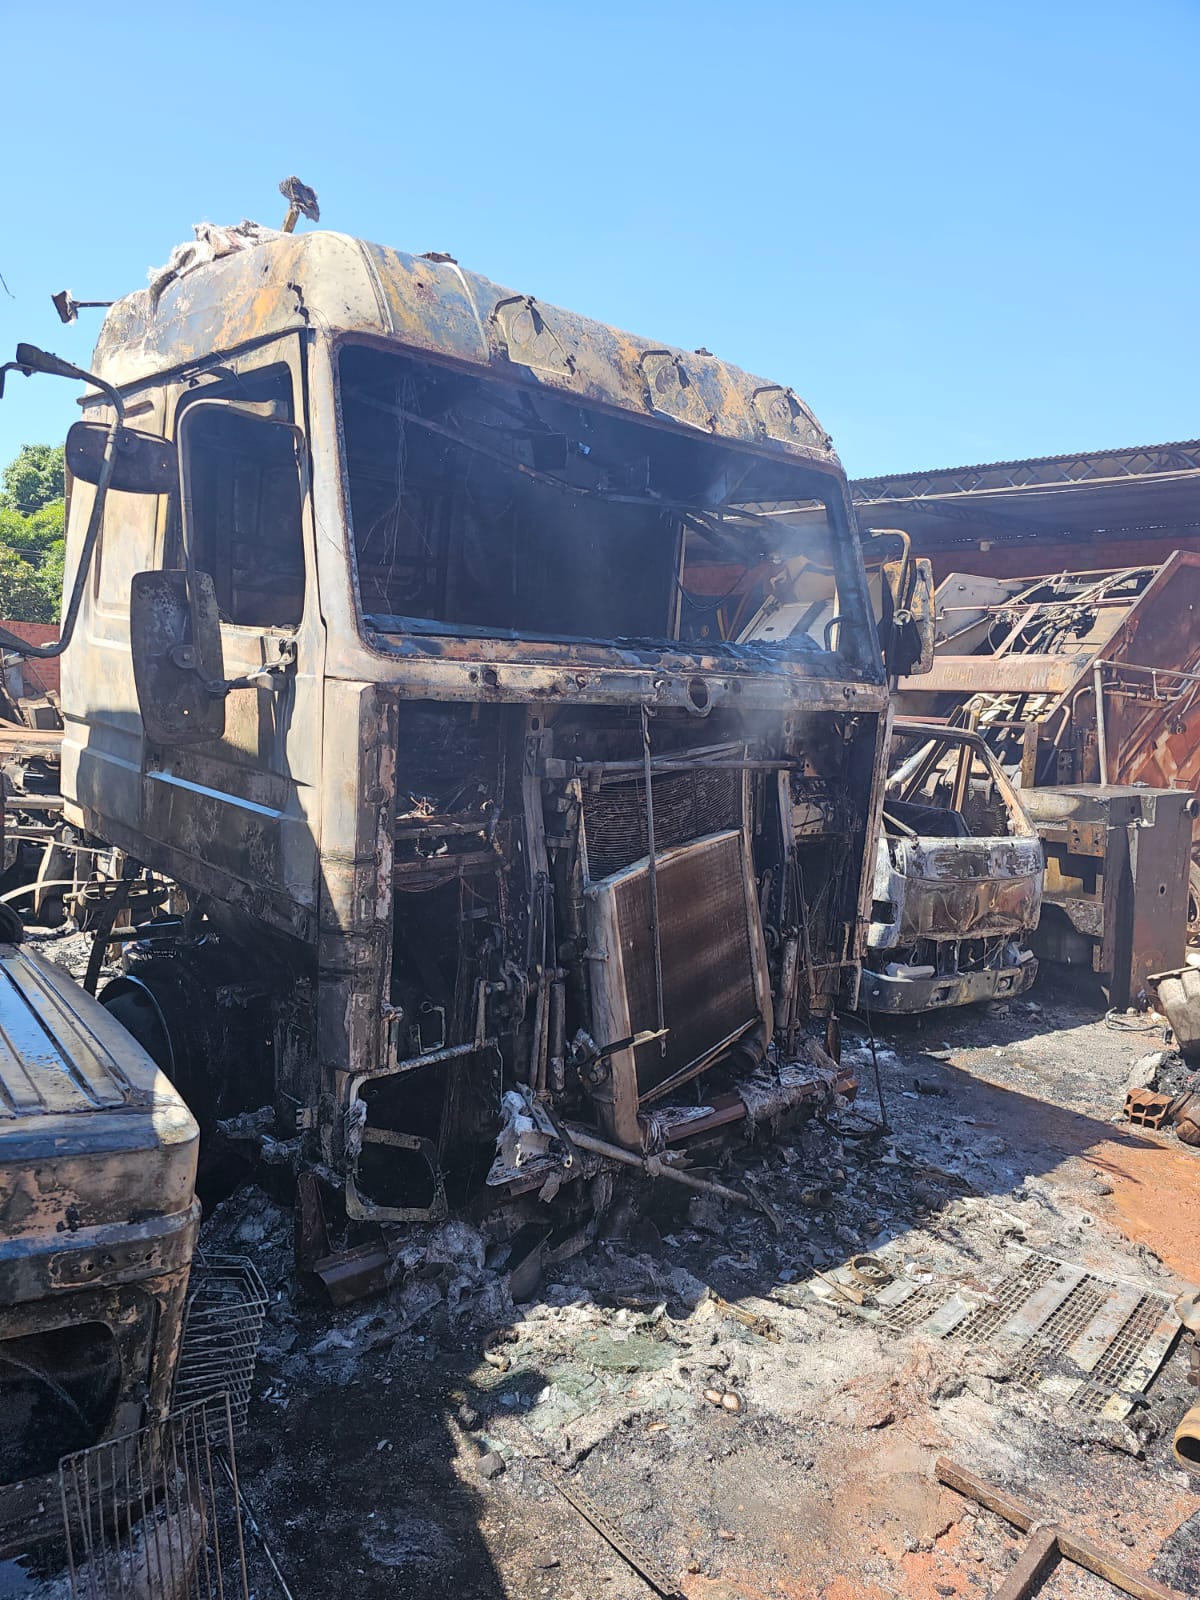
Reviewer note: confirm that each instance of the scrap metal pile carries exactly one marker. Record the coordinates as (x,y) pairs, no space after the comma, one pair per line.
(1086,687)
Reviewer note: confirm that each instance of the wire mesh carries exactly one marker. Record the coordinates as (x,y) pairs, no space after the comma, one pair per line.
(222,1329)
(1048,1350)
(155,1515)
(1009,1295)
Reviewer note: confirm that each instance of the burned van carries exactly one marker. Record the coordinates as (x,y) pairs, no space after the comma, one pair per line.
(958,877)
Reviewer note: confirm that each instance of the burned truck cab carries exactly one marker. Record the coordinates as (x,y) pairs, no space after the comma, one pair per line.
(409,651)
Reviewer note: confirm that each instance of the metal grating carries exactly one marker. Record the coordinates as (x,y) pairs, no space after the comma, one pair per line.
(1092,1341)
(708,942)
(1048,1350)
(223,1324)
(1009,1295)
(1151,1328)
(912,1310)
(156,1515)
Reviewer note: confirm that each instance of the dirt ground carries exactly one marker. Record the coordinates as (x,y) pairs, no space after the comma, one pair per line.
(414,1445)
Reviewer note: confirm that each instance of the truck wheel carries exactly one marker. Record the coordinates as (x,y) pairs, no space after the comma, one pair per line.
(137,1013)
(220,1168)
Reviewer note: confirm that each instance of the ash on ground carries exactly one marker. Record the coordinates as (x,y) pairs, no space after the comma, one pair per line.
(691,1371)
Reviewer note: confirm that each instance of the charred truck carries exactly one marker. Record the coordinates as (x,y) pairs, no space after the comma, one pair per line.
(405,620)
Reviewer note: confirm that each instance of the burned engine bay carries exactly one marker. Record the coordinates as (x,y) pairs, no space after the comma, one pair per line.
(601,894)
(573,947)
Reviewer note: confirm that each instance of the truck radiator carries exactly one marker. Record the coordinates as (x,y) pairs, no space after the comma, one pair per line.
(715,986)
(687,805)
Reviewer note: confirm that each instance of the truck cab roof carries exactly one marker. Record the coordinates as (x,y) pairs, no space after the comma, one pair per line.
(236,286)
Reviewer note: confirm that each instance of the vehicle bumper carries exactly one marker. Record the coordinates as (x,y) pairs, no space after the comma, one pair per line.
(902,996)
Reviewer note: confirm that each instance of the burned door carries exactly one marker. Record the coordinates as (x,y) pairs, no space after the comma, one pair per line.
(241,808)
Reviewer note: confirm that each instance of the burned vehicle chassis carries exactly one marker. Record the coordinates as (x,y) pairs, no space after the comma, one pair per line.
(484,928)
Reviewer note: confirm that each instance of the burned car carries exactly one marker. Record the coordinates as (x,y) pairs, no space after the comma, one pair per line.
(98,1220)
(958,877)
(411,650)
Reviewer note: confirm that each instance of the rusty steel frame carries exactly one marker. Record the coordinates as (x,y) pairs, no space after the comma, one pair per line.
(1143,740)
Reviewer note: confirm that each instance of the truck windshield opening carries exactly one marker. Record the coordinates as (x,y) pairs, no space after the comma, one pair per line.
(483,508)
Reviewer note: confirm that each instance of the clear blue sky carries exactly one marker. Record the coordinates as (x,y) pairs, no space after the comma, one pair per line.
(962,232)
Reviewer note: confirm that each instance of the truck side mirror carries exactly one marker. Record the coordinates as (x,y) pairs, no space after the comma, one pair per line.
(178,667)
(906,629)
(143,463)
(909,630)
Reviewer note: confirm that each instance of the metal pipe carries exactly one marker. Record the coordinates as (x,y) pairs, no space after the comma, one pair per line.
(653,1167)
(1186,1444)
(678,764)
(962,779)
(46,652)
(788,971)
(1101,733)
(558,1036)
(647,770)
(412,1063)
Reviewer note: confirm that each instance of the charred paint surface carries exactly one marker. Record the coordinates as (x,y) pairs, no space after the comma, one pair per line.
(97,1226)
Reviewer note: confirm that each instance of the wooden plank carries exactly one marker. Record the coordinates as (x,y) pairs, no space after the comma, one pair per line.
(1081,1551)
(1039,1557)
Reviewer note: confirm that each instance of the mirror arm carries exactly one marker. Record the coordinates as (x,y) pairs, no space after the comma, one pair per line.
(46,652)
(276,673)
(272,676)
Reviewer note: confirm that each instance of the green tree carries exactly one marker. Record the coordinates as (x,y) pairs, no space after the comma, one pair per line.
(32,533)
(23,596)
(33,478)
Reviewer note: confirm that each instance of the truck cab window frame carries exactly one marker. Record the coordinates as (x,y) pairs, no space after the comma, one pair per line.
(477,507)
(244,518)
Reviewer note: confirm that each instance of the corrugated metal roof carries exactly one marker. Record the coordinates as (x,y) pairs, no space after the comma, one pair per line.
(1182,445)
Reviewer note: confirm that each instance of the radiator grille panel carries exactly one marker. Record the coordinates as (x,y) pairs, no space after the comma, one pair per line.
(687,805)
(709,989)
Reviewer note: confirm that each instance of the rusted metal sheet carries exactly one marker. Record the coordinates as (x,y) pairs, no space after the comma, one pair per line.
(1115,652)
(1025,674)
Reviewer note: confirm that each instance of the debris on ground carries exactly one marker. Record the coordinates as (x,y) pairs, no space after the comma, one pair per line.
(740,1425)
